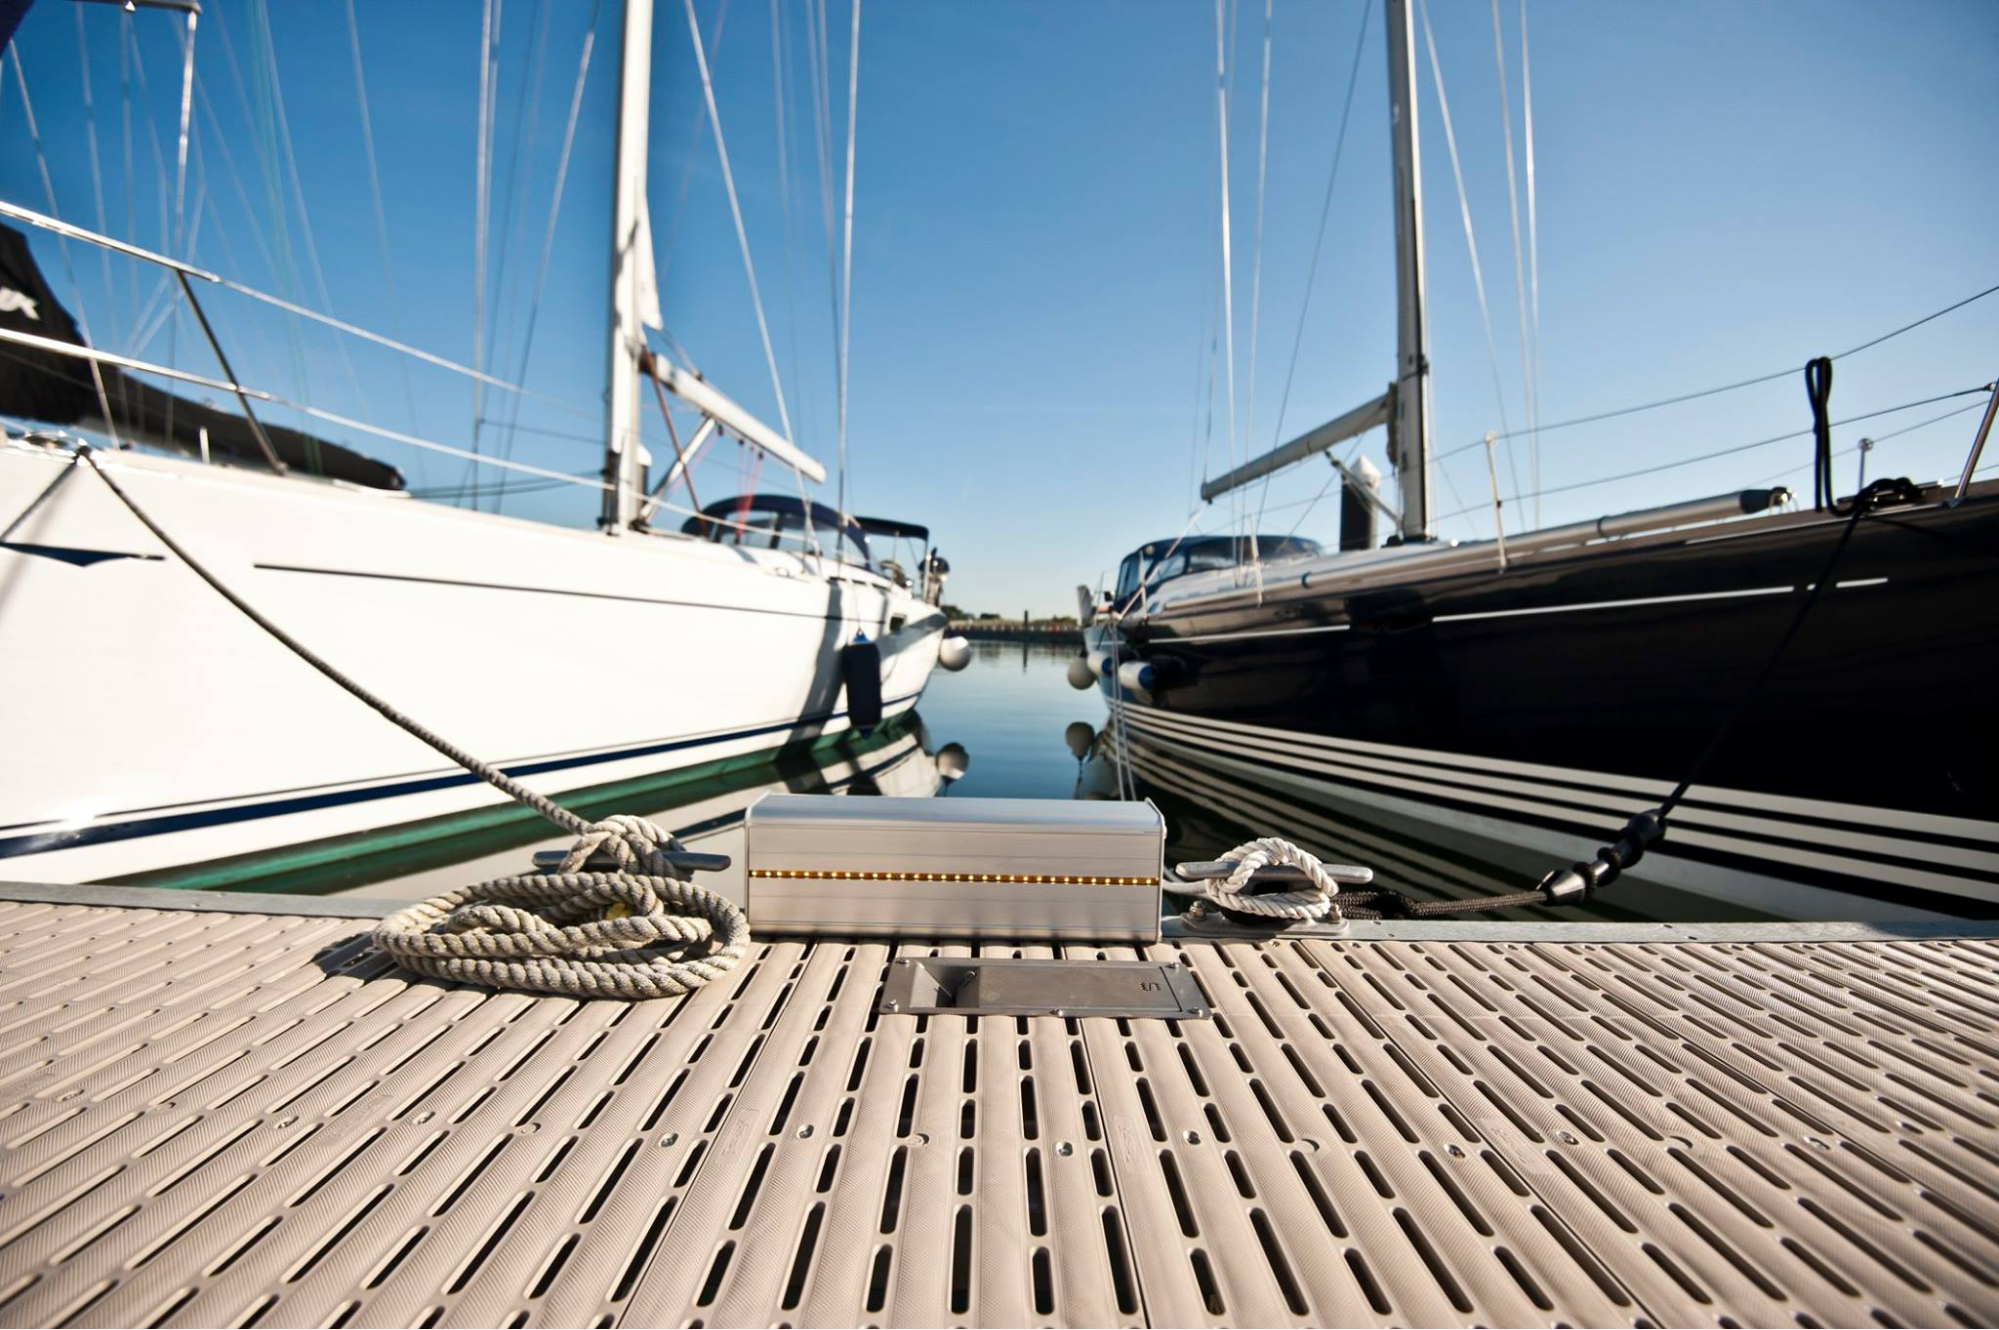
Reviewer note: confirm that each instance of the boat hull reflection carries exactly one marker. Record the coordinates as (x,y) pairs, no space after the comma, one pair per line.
(900,760)
(1213,803)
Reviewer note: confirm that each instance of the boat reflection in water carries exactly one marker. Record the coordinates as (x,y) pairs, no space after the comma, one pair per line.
(900,760)
(1211,808)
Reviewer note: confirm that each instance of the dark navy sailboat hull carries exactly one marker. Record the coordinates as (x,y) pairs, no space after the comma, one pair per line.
(1593,677)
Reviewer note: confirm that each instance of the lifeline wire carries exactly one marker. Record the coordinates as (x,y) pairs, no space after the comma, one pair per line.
(1771,377)
(1533,257)
(1471,240)
(1519,275)
(736,213)
(847,242)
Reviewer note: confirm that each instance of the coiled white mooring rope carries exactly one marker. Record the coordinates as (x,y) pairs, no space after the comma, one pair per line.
(628,933)
(1313,902)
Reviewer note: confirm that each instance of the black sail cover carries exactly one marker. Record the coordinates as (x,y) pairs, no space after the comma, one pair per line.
(57,389)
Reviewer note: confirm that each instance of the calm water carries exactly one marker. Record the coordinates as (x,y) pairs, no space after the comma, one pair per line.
(1010,726)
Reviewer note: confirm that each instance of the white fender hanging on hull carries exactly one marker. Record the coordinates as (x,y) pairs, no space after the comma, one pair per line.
(1136,676)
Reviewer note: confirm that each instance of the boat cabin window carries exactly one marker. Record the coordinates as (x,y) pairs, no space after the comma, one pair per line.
(1127,576)
(1200,554)
(778,522)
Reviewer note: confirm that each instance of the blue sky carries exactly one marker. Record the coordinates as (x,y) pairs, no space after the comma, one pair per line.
(1724,190)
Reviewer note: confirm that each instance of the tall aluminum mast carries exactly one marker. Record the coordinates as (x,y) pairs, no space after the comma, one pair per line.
(631,272)
(1409,419)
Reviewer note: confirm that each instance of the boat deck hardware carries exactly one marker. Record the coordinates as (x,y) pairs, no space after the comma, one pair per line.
(957,986)
(1211,870)
(691,860)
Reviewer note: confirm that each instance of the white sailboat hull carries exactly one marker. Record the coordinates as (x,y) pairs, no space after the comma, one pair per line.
(146,725)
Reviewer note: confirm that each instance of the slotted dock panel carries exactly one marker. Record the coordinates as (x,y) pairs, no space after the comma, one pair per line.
(234,1118)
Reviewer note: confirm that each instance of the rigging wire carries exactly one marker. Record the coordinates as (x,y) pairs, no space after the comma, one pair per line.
(290,155)
(1519,264)
(125,121)
(180,152)
(1471,240)
(97,357)
(548,232)
(1312,503)
(779,82)
(736,214)
(1474,509)
(284,270)
(526,129)
(290,307)
(1876,439)
(1740,383)
(820,60)
(164,303)
(847,244)
(482,188)
(664,249)
(1228,277)
(167,239)
(375,196)
(749,265)
(96,166)
(208,129)
(1211,296)
(62,246)
(1533,264)
(160,187)
(1256,261)
(1325,212)
(1746,447)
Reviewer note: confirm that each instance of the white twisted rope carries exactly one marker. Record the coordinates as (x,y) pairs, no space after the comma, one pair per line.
(1312,903)
(640,931)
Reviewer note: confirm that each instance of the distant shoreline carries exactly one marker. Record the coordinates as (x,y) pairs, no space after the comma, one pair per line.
(998,630)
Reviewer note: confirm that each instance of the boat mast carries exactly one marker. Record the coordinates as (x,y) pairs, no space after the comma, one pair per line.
(1405,407)
(630,268)
(1409,418)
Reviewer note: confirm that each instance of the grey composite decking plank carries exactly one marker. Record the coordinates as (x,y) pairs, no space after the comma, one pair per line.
(218,1117)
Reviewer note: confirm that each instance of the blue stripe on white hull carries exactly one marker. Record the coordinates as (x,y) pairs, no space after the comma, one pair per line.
(129,689)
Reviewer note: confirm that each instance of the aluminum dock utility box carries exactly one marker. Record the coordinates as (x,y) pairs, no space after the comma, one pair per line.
(1018,868)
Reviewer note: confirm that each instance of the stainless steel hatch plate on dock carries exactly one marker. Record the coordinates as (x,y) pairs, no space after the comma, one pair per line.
(942,985)
(230,1119)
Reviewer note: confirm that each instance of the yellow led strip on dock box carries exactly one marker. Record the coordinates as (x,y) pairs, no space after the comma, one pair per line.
(852,875)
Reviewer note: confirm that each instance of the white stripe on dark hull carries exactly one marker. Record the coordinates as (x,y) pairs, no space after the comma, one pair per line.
(1651,791)
(1618,604)
(1261,633)
(1587,807)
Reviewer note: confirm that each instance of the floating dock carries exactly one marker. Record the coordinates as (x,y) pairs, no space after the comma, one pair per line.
(228,1110)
